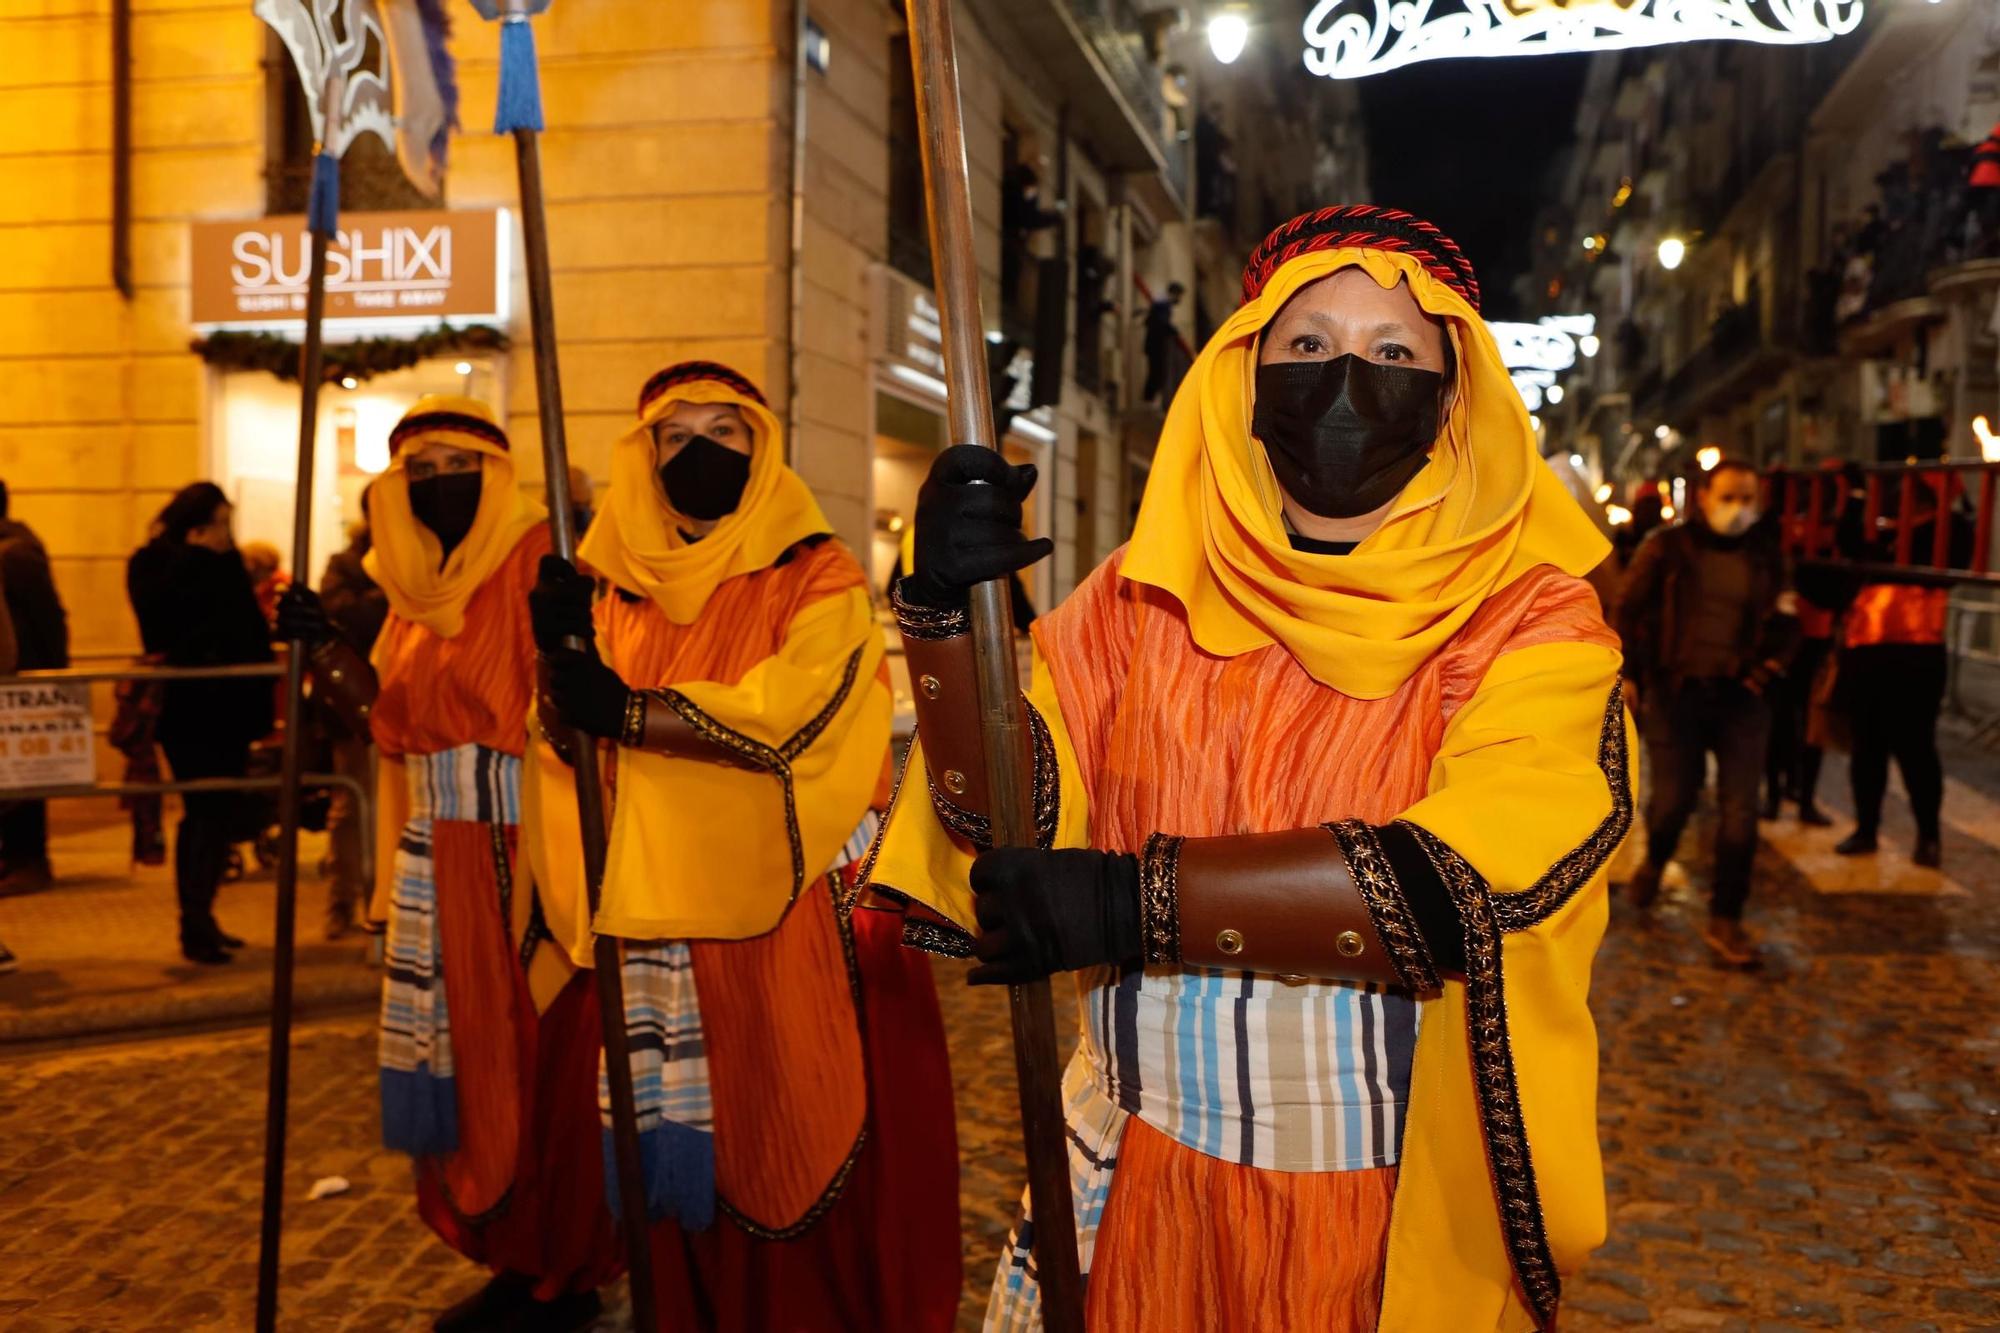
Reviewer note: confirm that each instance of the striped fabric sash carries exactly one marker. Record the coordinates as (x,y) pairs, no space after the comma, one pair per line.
(419,1099)
(670,1082)
(1286,1076)
(1096,1128)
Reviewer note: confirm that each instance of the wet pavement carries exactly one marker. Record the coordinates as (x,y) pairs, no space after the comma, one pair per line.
(1812,1145)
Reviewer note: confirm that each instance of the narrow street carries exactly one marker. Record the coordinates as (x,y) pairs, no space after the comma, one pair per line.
(1814,1146)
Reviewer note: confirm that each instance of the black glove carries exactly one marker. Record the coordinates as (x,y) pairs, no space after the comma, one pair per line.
(302,616)
(588,695)
(559,605)
(1042,912)
(969,526)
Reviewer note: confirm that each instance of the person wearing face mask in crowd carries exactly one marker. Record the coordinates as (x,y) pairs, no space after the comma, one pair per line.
(196,608)
(489,1030)
(1710,625)
(788,1053)
(1338,730)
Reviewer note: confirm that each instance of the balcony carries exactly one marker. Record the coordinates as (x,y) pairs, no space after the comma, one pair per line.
(1096,48)
(1739,356)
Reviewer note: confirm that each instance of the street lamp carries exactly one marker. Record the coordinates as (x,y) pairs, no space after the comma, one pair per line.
(1554,393)
(1228,34)
(1707,457)
(1672,251)
(1588,344)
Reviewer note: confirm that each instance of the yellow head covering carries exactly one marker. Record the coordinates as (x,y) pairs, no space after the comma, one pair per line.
(407,559)
(1483,511)
(636,539)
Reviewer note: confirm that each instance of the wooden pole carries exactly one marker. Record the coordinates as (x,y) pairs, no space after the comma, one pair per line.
(583,749)
(277,1090)
(1003,721)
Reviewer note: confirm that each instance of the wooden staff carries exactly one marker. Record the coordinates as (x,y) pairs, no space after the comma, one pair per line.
(322,214)
(520,114)
(1003,721)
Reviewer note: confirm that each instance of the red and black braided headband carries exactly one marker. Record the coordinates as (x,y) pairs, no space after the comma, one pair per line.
(1368,227)
(685,372)
(461,423)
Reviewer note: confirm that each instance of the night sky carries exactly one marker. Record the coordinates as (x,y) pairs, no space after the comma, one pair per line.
(1467,144)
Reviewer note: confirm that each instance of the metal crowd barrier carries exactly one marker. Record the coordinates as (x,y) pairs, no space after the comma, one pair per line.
(1809,503)
(364,802)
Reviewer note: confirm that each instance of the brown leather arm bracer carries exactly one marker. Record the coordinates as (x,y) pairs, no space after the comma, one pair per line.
(344,681)
(654,723)
(1298,903)
(937,646)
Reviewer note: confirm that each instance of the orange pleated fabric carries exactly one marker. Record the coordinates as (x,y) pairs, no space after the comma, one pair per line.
(472,689)
(1191,1241)
(780,1021)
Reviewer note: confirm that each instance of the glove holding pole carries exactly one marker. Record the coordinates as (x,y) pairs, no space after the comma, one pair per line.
(518,111)
(1004,734)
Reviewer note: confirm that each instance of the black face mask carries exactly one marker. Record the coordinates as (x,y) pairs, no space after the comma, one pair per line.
(1345,436)
(705,480)
(447,505)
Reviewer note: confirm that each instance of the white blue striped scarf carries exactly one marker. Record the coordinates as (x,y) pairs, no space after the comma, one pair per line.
(670,1081)
(419,1096)
(1308,1076)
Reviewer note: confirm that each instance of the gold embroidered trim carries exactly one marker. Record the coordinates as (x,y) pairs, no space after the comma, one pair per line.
(976,828)
(837,1185)
(949,941)
(633,734)
(802,739)
(1521,1223)
(1547,895)
(927,624)
(1159,899)
(1375,878)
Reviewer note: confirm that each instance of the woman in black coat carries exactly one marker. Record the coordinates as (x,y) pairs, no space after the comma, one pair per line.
(196,607)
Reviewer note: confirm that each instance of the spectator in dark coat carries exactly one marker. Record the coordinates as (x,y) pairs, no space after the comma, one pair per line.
(1708,616)
(41,630)
(196,607)
(357,606)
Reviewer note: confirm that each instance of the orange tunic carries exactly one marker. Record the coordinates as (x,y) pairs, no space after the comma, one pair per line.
(1172,739)
(523,1191)
(440,693)
(826,1225)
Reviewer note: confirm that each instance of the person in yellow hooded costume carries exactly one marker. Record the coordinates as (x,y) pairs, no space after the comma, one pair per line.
(787,1052)
(489,1035)
(1328,762)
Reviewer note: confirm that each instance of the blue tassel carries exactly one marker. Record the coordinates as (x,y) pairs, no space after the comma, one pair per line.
(679,1166)
(520,104)
(323,204)
(419,1113)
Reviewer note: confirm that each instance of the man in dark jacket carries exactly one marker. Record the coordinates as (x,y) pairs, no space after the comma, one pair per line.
(357,606)
(1708,619)
(41,628)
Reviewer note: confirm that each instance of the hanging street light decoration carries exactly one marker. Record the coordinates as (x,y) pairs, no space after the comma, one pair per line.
(1348,39)
(1535,354)
(1228,34)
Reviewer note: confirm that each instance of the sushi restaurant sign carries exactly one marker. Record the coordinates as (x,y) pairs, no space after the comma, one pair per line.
(382,267)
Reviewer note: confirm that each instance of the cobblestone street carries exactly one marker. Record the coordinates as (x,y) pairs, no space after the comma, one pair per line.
(1813,1146)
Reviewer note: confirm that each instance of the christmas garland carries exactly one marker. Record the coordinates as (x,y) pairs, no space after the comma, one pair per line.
(359,360)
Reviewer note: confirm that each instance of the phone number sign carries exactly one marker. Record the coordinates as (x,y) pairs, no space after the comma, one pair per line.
(46,737)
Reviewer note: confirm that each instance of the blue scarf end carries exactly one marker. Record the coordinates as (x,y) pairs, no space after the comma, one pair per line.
(419,1113)
(679,1167)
